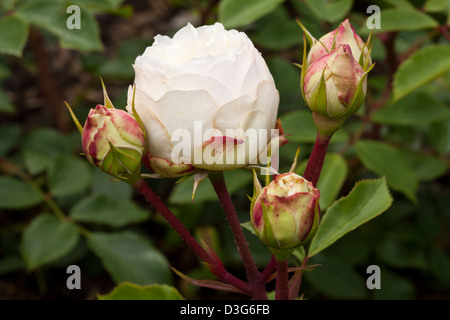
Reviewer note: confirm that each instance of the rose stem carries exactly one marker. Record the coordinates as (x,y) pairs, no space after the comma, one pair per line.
(312,173)
(216,268)
(282,286)
(253,275)
(315,162)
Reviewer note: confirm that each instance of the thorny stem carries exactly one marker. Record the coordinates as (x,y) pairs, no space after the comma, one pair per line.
(215,266)
(253,275)
(282,286)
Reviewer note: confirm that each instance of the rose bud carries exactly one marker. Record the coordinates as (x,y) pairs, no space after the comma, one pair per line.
(335,84)
(113,141)
(344,34)
(285,213)
(203,80)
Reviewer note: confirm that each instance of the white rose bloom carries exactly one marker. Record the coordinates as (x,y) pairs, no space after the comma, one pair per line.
(204,75)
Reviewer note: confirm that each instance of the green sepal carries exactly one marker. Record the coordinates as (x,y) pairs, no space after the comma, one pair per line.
(138,118)
(311,39)
(117,163)
(74,118)
(304,69)
(107,101)
(318,98)
(256,192)
(281,254)
(268,233)
(359,96)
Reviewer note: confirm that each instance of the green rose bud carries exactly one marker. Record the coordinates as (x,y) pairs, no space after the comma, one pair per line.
(285,213)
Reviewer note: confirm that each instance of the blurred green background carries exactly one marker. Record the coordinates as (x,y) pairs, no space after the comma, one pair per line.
(58,210)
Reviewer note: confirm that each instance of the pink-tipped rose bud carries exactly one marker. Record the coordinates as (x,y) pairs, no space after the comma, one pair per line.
(344,34)
(335,84)
(285,213)
(113,141)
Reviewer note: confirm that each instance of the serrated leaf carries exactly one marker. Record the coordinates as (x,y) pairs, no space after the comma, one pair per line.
(387,161)
(237,13)
(128,256)
(52,16)
(101,209)
(332,177)
(46,239)
(16,194)
(420,68)
(68,175)
(367,200)
(13,35)
(131,291)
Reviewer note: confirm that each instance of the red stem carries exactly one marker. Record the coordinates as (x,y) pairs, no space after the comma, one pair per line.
(315,162)
(216,267)
(269,270)
(282,287)
(253,275)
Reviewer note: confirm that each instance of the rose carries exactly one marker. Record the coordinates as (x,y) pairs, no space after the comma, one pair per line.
(285,213)
(205,81)
(344,34)
(113,141)
(332,83)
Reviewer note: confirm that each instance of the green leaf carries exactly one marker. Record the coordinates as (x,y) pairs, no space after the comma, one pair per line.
(367,200)
(182,193)
(332,177)
(13,35)
(420,68)
(16,194)
(46,239)
(47,141)
(105,184)
(410,110)
(131,291)
(425,167)
(5,105)
(401,254)
(9,136)
(104,210)
(277,31)
(300,127)
(34,162)
(439,136)
(387,161)
(394,287)
(436,5)
(52,16)
(336,279)
(331,11)
(237,13)
(11,263)
(128,256)
(68,175)
(402,19)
